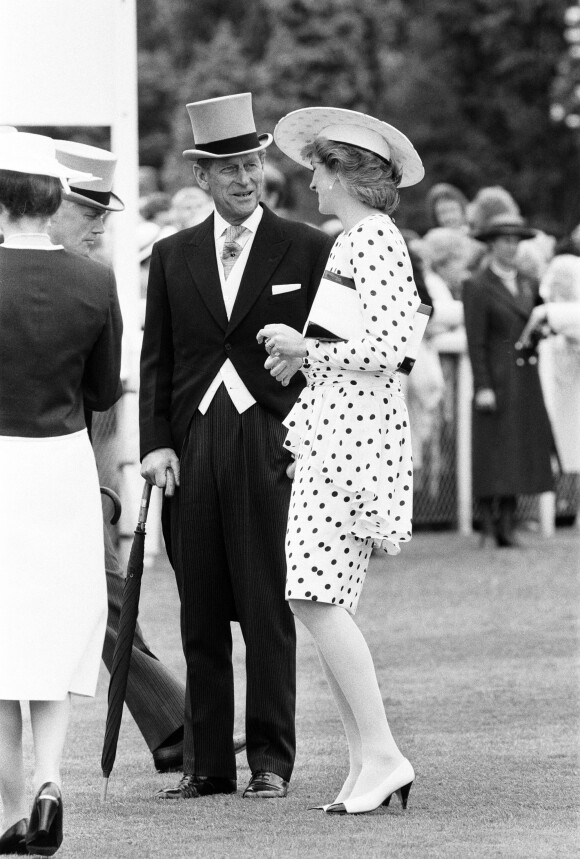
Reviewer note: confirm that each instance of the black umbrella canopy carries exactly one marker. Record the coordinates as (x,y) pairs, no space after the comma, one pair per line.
(124,644)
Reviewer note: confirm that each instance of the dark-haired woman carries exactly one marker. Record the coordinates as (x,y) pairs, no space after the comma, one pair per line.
(512,438)
(60,330)
(349,430)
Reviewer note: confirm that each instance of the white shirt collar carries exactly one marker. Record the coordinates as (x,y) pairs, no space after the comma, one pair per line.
(505,274)
(251,223)
(32,241)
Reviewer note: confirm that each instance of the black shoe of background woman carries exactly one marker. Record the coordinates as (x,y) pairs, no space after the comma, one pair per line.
(13,841)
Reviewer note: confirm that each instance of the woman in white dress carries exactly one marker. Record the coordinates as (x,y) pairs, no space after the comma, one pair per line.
(558,321)
(60,343)
(353,484)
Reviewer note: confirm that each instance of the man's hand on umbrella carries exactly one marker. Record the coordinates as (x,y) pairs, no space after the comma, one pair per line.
(161,468)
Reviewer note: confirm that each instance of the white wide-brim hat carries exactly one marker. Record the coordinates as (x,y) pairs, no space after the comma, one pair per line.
(101,163)
(299,128)
(224,127)
(24,152)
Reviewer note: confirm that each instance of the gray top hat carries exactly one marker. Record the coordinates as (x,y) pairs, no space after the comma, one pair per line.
(99,162)
(224,127)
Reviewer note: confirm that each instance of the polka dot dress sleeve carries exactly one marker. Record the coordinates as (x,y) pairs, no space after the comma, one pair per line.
(383,275)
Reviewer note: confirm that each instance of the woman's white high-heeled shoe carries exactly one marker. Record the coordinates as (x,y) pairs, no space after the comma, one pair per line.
(399,782)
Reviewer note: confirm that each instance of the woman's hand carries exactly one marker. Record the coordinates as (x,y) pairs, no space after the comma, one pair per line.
(484,400)
(537,321)
(283,368)
(281,341)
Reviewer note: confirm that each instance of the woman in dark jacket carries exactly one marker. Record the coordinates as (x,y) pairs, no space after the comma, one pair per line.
(512,438)
(60,349)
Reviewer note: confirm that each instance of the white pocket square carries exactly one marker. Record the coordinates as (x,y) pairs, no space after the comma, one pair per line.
(279,288)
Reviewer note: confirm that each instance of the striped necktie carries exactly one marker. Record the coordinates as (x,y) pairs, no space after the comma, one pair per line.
(231,249)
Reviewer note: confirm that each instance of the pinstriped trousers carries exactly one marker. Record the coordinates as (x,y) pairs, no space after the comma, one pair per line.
(228,526)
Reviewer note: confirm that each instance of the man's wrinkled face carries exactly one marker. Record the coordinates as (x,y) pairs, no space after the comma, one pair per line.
(77,227)
(235,185)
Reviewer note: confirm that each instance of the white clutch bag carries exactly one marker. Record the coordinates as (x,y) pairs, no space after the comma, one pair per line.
(336,316)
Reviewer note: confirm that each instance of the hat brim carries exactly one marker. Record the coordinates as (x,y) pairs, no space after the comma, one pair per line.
(115,203)
(299,128)
(195,154)
(46,168)
(487,235)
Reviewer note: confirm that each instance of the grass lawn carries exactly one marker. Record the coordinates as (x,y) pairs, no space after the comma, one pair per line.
(476,652)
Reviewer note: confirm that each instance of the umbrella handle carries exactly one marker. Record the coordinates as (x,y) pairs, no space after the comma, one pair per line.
(116,503)
(144,506)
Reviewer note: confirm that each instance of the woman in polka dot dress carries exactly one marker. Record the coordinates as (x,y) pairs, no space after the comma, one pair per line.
(349,432)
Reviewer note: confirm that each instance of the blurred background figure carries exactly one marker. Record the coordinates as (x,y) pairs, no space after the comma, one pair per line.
(148,232)
(275,193)
(447,207)
(156,207)
(332,227)
(558,319)
(490,202)
(512,439)
(443,255)
(446,256)
(534,255)
(189,206)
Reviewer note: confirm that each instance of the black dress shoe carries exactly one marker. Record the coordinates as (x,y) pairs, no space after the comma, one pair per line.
(195,786)
(169,759)
(44,834)
(266,785)
(14,839)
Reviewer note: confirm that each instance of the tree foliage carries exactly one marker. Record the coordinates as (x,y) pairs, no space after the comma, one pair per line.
(470,82)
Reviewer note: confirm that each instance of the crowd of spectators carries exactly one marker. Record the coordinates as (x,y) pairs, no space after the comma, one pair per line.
(445,257)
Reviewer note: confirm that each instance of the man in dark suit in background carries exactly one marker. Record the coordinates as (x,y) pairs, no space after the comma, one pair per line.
(210,418)
(154,696)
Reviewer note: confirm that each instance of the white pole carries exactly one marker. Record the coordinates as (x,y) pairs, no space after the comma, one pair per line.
(124,143)
(464,489)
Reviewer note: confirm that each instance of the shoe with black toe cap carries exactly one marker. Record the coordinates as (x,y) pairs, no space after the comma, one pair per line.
(195,786)
(265,785)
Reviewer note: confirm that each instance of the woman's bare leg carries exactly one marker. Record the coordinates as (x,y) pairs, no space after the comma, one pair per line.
(12,783)
(50,720)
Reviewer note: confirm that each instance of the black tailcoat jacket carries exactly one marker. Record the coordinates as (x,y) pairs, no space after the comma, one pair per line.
(511,446)
(188,336)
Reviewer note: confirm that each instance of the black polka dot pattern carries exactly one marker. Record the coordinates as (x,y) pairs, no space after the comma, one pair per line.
(349,430)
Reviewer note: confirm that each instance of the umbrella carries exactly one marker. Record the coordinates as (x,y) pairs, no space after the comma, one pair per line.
(116,503)
(123,646)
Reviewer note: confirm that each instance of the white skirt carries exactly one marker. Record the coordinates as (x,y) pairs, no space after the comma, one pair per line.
(53,596)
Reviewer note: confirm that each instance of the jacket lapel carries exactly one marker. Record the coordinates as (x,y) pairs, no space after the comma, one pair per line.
(503,295)
(268,248)
(202,264)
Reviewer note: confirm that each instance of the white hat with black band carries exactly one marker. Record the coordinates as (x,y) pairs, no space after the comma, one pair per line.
(299,128)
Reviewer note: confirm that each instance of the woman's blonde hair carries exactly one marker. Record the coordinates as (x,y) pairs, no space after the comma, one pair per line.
(366,176)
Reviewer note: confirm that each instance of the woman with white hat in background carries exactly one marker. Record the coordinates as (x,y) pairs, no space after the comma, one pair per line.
(353,485)
(60,346)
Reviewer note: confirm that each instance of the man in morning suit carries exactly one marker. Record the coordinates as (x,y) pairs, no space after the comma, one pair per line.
(210,420)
